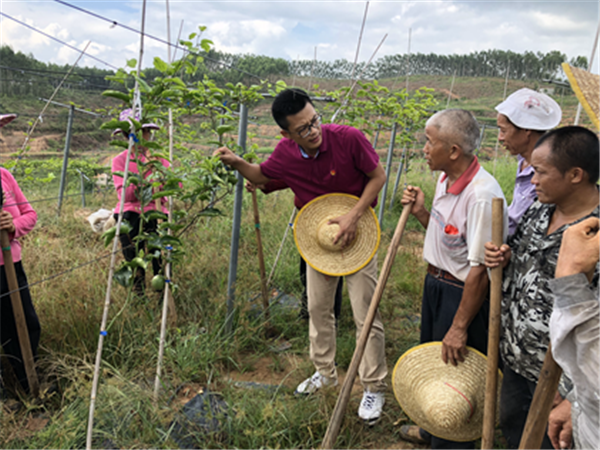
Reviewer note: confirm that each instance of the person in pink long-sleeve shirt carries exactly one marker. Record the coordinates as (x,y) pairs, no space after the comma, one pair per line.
(132,208)
(18,218)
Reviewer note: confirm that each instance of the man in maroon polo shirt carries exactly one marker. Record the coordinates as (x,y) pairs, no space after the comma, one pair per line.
(314,160)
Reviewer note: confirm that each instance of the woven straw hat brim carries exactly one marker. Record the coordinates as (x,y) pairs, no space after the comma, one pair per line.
(6,119)
(586,86)
(332,261)
(445,400)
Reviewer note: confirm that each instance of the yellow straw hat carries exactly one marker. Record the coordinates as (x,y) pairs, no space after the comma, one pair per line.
(314,236)
(445,400)
(586,86)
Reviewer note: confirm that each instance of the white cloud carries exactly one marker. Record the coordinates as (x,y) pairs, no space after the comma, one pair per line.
(291,28)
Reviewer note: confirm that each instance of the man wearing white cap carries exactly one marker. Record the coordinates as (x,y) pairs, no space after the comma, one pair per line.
(522,118)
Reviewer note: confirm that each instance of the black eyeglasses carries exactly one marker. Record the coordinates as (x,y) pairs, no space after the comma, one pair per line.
(304,132)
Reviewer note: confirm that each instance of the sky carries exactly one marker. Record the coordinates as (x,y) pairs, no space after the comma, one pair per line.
(292,29)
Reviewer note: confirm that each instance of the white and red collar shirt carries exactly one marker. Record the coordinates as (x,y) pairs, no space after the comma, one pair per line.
(461,221)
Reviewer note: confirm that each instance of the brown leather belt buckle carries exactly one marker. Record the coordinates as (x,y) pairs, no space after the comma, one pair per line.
(439,273)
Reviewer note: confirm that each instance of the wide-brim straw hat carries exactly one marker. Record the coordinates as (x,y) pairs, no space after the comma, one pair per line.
(314,236)
(586,86)
(445,400)
(6,119)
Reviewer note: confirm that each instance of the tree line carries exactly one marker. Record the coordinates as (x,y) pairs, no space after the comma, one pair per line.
(22,74)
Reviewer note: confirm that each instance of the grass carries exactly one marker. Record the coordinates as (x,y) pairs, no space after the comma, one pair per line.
(198,352)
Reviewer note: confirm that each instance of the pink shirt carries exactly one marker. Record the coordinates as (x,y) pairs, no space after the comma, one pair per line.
(24,216)
(132,203)
(344,159)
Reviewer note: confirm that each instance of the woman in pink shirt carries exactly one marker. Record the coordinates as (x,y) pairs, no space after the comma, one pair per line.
(133,205)
(18,218)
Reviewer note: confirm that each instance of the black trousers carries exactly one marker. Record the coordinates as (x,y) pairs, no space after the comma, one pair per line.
(8,329)
(441,299)
(515,399)
(337,305)
(131,247)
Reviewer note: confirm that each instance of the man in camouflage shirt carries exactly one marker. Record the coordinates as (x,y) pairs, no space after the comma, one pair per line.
(566,164)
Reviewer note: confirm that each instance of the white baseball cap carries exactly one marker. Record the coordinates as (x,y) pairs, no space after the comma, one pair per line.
(531,110)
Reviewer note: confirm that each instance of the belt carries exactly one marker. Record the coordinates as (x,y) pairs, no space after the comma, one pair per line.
(439,273)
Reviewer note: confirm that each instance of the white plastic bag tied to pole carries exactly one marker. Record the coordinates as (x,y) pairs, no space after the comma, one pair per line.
(103,331)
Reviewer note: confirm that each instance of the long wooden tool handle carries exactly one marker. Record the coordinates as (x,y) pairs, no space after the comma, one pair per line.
(491,383)
(537,419)
(342,402)
(15,298)
(261,259)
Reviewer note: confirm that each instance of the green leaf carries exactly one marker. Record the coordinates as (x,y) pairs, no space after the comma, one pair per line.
(109,235)
(222,129)
(205,44)
(161,194)
(131,63)
(160,65)
(118,95)
(155,215)
(114,124)
(119,143)
(211,212)
(123,276)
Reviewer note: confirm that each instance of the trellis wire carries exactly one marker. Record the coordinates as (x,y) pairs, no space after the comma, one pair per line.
(55,39)
(53,95)
(136,105)
(344,102)
(287,229)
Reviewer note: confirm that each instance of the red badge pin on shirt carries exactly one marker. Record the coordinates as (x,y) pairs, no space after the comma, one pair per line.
(332,172)
(450,229)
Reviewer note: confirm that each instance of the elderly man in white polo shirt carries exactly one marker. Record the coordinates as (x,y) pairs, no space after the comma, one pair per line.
(455,307)
(522,118)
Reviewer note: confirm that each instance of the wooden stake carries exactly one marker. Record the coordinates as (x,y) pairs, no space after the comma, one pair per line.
(20,322)
(342,402)
(537,419)
(261,259)
(491,384)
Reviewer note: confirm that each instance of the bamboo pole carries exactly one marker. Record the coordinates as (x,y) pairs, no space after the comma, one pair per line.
(541,404)
(168,309)
(491,385)
(451,89)
(261,258)
(103,331)
(362,28)
(342,402)
(312,68)
(17,306)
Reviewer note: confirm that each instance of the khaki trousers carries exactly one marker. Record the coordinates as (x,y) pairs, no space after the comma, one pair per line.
(322,332)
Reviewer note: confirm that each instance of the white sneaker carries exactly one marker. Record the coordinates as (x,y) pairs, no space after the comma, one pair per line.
(371,406)
(312,384)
